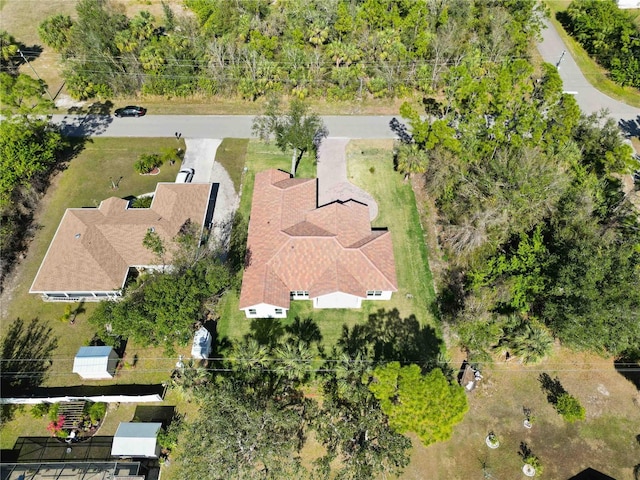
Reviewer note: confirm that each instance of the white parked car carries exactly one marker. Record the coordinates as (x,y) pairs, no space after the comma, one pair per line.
(185,175)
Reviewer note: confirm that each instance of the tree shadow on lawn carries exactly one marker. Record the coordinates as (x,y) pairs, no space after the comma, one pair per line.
(270,332)
(552,387)
(387,337)
(26,357)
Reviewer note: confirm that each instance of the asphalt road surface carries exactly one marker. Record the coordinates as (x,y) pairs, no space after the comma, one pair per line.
(209,126)
(588,97)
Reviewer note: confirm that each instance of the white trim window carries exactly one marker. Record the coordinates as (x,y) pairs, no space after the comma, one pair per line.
(279,311)
(374,293)
(253,311)
(299,295)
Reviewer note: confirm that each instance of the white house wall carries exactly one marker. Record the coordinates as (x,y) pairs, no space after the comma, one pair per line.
(264,310)
(383,296)
(337,300)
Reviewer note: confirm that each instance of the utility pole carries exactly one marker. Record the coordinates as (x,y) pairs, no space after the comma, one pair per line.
(34,71)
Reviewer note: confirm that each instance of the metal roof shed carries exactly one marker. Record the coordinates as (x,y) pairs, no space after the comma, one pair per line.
(201,344)
(95,363)
(136,439)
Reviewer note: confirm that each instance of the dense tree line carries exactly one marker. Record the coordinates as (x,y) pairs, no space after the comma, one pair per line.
(542,240)
(338,48)
(609,35)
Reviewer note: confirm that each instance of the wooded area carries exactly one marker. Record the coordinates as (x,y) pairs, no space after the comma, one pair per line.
(608,34)
(541,238)
(335,49)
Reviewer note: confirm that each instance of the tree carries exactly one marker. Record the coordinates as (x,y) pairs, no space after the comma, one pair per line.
(428,404)
(526,339)
(56,32)
(410,159)
(28,148)
(22,94)
(569,407)
(297,130)
(243,435)
(9,48)
(354,429)
(154,243)
(163,310)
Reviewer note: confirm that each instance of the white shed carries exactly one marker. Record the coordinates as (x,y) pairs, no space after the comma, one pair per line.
(201,344)
(136,439)
(95,363)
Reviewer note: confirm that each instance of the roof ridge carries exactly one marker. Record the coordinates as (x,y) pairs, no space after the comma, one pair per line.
(362,252)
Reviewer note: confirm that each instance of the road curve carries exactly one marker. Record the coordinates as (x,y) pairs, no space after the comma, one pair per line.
(208,126)
(588,97)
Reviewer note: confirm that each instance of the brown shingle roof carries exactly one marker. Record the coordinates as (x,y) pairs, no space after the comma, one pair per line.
(93,248)
(294,245)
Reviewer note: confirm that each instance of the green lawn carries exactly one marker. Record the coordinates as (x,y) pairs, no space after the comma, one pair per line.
(594,73)
(231,155)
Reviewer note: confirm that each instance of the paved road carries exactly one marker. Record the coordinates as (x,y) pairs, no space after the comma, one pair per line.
(209,126)
(588,97)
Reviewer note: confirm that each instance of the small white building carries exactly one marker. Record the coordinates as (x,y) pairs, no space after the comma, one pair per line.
(136,439)
(95,363)
(201,344)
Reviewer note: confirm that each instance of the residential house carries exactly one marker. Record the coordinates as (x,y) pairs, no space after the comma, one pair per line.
(95,249)
(297,250)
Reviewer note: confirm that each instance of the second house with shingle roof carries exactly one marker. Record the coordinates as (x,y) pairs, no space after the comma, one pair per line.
(296,250)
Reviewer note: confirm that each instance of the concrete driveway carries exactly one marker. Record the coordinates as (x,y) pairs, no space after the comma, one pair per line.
(201,155)
(332,176)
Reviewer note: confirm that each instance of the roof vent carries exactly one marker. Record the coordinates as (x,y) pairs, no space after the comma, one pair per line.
(77,235)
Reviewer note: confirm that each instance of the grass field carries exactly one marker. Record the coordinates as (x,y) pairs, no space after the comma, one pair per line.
(605,441)
(594,73)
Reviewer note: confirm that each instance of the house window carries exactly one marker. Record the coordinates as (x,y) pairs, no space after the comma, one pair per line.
(374,293)
(278,311)
(299,294)
(252,311)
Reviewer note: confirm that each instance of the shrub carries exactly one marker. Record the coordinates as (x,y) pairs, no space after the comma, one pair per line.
(534,462)
(55,426)
(569,407)
(147,162)
(142,202)
(40,409)
(53,411)
(97,411)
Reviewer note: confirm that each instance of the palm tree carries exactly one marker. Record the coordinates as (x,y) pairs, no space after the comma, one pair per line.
(292,366)
(411,159)
(527,339)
